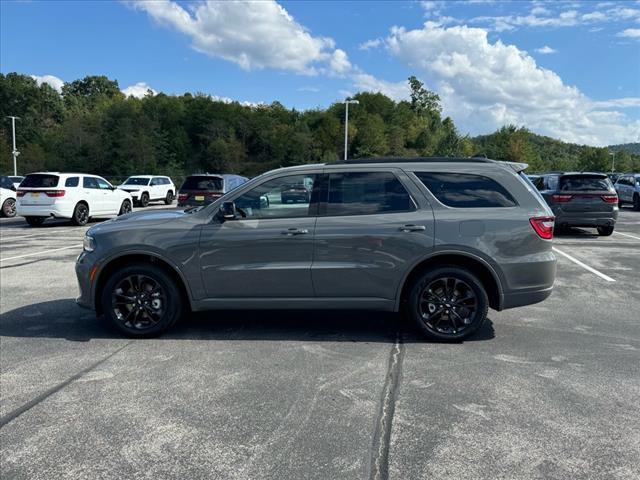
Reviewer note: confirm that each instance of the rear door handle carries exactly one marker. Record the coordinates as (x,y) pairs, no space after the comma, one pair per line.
(294,231)
(412,228)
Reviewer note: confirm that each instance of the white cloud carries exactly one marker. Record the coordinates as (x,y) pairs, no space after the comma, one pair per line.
(51,80)
(369,83)
(309,89)
(485,85)
(254,35)
(369,44)
(630,33)
(546,50)
(139,90)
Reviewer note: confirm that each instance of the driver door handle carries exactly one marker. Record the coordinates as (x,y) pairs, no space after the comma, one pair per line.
(412,228)
(294,231)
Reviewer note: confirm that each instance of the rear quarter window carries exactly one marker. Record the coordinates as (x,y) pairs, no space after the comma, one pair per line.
(463,190)
(40,180)
(72,182)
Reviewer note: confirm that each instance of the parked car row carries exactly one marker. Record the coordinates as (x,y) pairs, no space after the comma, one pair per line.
(628,189)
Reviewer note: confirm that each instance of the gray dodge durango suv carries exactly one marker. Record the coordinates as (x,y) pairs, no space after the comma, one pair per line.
(441,239)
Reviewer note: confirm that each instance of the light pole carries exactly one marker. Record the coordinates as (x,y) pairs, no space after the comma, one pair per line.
(613,161)
(14,152)
(346,124)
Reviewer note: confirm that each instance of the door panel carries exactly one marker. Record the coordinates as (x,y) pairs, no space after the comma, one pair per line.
(367,255)
(267,251)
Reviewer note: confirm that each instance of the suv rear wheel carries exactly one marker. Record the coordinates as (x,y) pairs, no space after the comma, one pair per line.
(141,300)
(80,215)
(605,231)
(448,303)
(169,198)
(35,221)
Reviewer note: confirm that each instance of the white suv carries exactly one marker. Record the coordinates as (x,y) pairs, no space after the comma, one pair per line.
(7,197)
(76,196)
(147,188)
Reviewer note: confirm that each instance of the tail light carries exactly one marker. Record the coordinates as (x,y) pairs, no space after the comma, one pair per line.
(20,193)
(543,226)
(182,196)
(54,193)
(561,198)
(610,198)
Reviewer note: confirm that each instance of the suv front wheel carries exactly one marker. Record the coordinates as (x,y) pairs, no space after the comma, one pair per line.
(448,303)
(141,300)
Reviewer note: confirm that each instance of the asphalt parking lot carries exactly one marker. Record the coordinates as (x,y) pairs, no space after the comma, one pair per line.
(547,391)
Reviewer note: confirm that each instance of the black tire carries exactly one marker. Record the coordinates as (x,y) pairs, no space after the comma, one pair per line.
(636,202)
(168,200)
(139,321)
(35,221)
(144,200)
(605,231)
(125,208)
(9,208)
(80,215)
(448,283)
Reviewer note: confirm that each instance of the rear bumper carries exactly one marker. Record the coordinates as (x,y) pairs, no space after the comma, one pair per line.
(56,210)
(587,219)
(519,299)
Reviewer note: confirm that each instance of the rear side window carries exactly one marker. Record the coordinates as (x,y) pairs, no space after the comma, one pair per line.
(203,183)
(576,183)
(5,182)
(40,180)
(462,190)
(89,182)
(72,182)
(366,193)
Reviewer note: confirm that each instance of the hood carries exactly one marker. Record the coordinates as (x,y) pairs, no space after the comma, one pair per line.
(138,219)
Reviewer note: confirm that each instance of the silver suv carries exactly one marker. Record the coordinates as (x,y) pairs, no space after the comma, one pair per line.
(441,239)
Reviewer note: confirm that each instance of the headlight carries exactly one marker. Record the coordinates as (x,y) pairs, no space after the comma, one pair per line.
(88,244)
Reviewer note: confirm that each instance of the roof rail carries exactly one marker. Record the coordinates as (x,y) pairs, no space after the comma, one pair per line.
(412,160)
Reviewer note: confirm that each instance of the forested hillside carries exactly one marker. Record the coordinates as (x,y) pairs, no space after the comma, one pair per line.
(626,147)
(93,127)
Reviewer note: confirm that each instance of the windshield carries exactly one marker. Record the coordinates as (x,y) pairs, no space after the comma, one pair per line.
(40,180)
(207,183)
(578,183)
(137,181)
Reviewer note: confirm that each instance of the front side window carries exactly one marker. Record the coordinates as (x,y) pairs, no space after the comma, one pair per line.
(462,190)
(5,182)
(89,182)
(284,197)
(103,184)
(366,193)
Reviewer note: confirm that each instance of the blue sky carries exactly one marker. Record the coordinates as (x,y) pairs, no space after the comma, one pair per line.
(566,69)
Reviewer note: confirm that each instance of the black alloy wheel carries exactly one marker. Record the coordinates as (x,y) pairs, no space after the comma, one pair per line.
(80,215)
(448,303)
(169,198)
(125,208)
(142,301)
(144,200)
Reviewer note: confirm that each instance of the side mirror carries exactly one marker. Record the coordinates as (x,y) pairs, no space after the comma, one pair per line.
(228,210)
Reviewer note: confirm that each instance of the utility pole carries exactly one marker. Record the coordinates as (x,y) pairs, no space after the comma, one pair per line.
(346,124)
(14,152)
(613,161)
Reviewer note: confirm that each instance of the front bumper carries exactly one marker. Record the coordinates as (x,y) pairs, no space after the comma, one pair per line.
(85,285)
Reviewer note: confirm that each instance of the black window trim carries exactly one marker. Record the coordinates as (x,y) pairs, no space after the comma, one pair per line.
(416,172)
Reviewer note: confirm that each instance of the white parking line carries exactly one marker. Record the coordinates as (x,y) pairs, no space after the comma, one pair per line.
(41,253)
(586,267)
(626,235)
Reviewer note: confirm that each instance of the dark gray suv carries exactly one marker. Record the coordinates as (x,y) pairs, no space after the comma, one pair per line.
(441,239)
